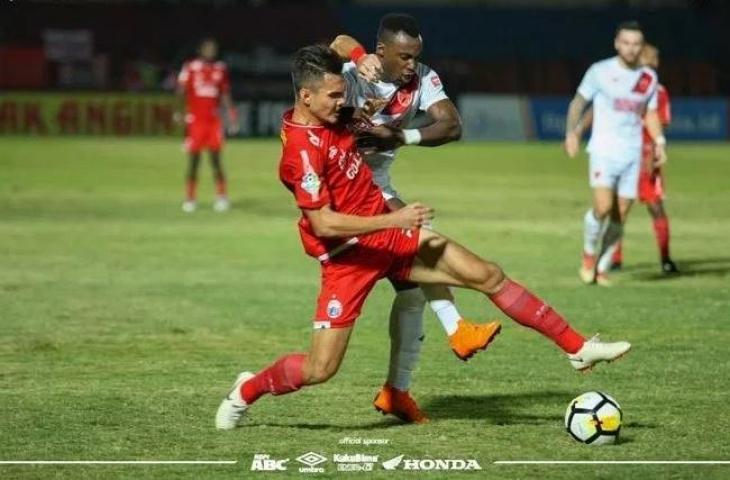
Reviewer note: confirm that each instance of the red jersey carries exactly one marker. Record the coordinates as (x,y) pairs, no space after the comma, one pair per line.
(203,83)
(321,166)
(664,111)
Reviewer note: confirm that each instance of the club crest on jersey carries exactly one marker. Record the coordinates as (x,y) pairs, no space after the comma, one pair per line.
(643,84)
(334,308)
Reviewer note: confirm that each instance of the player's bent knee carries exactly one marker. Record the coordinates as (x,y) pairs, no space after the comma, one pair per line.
(486,277)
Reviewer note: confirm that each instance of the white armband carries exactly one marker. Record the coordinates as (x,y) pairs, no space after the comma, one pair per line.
(412,136)
(660,140)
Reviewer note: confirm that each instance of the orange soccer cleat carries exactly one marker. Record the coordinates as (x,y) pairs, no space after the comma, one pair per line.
(390,400)
(587,270)
(470,338)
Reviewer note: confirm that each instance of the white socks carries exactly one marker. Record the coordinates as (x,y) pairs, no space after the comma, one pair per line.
(406,336)
(591,232)
(447,313)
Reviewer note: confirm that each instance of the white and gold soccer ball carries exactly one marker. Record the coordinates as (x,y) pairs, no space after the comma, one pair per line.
(594,418)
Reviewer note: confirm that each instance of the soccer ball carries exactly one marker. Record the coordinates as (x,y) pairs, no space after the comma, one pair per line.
(594,418)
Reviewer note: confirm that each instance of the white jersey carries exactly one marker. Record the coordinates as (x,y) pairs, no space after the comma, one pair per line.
(620,98)
(404,102)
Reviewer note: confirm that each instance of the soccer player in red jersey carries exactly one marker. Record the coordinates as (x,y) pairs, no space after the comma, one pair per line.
(205,85)
(348,227)
(651,178)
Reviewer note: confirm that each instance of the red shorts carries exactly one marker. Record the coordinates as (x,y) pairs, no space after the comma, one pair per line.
(348,277)
(651,182)
(204,134)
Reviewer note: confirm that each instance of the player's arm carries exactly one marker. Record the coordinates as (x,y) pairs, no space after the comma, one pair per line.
(445,128)
(326,223)
(180,86)
(349,49)
(231,111)
(573,131)
(656,132)
(585,122)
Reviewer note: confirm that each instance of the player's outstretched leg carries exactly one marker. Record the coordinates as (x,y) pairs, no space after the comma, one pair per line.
(191,183)
(660,222)
(221,202)
(443,261)
(406,340)
(288,374)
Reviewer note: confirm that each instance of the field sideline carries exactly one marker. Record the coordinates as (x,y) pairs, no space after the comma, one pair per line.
(123,321)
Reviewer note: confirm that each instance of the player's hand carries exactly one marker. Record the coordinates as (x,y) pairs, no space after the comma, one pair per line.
(178,118)
(233,128)
(413,215)
(369,67)
(660,155)
(572,144)
(373,105)
(381,138)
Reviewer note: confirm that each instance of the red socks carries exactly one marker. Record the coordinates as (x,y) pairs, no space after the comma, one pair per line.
(284,376)
(528,310)
(190,189)
(661,231)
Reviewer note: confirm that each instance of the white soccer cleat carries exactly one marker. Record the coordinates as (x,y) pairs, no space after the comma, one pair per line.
(189,206)
(594,351)
(233,408)
(587,270)
(221,204)
(603,280)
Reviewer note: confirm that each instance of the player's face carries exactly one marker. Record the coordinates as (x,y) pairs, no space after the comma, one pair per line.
(325,99)
(628,44)
(209,50)
(399,56)
(649,57)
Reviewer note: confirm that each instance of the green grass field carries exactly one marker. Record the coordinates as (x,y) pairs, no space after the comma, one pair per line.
(123,321)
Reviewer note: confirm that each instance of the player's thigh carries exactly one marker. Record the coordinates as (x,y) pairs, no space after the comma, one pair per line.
(627,187)
(441,260)
(326,352)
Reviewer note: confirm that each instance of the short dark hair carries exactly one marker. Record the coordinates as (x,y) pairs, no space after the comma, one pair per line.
(632,25)
(393,23)
(312,62)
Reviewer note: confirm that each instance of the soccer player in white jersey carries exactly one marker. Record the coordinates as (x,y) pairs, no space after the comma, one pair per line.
(622,91)
(394,87)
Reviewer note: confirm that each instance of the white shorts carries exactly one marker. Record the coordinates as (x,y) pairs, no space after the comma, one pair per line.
(621,176)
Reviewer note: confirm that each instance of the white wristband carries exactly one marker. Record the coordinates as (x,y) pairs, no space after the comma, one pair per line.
(660,140)
(412,136)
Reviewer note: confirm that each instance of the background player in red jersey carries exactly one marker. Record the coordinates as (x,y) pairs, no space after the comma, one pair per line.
(346,224)
(651,178)
(204,83)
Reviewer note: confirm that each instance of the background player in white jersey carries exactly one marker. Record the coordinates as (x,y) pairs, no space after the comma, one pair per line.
(394,87)
(622,91)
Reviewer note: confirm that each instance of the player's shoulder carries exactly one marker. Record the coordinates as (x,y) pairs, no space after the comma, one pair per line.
(194,64)
(428,75)
(220,65)
(604,64)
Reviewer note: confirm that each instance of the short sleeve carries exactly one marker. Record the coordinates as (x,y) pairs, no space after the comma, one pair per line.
(302,171)
(665,109)
(432,90)
(653,102)
(588,87)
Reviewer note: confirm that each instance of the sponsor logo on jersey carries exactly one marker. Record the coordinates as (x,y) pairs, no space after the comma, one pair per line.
(402,99)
